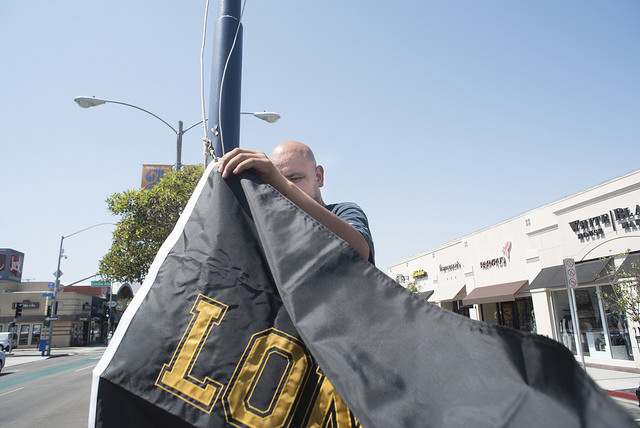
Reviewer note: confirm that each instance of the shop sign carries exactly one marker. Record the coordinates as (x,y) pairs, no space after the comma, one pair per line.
(453,266)
(594,227)
(26,304)
(420,273)
(498,261)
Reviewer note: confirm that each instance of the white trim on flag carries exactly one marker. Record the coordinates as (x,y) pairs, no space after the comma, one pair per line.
(137,300)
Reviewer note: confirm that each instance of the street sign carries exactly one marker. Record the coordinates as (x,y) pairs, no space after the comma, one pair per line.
(51,285)
(570,273)
(101,283)
(47,294)
(112,304)
(51,319)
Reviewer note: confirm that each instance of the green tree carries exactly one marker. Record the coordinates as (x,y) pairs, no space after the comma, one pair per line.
(147,218)
(413,287)
(625,295)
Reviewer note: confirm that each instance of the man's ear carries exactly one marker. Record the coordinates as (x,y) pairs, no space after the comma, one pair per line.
(320,175)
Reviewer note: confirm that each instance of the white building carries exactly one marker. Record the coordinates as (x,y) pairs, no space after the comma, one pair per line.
(512,273)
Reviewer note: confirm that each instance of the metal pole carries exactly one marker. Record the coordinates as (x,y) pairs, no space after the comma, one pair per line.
(110,314)
(53,301)
(57,283)
(226,79)
(576,325)
(179,147)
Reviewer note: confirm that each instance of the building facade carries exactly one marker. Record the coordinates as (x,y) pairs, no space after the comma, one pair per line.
(512,273)
(85,315)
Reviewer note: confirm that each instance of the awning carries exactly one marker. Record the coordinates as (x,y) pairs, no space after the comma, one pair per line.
(553,277)
(425,294)
(494,293)
(631,265)
(447,294)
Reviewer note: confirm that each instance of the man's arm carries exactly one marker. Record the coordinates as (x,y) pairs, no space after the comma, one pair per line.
(239,160)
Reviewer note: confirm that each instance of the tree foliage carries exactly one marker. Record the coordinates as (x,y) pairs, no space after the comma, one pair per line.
(413,287)
(147,218)
(625,295)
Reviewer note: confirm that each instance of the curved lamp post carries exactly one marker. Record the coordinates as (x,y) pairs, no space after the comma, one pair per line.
(87,102)
(57,283)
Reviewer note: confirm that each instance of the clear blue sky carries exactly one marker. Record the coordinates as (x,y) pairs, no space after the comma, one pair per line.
(438,117)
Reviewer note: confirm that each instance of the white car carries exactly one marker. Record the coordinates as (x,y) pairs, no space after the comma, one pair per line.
(4,340)
(2,360)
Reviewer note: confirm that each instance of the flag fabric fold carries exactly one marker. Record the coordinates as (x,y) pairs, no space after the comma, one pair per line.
(253,314)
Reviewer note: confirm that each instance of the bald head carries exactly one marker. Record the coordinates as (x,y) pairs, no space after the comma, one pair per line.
(296,162)
(292,148)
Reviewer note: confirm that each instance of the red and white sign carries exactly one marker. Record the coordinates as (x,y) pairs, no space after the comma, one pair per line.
(570,273)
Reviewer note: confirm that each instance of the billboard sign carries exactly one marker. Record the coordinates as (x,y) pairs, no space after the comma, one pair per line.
(151,174)
(11,262)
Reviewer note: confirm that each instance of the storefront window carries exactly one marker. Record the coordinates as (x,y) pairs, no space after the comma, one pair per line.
(518,314)
(597,340)
(35,334)
(24,334)
(618,330)
(459,308)
(490,313)
(526,317)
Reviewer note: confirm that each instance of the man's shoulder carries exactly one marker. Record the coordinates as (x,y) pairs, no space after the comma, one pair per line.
(355,216)
(343,206)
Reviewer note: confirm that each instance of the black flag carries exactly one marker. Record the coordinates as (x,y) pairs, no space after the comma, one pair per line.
(255,315)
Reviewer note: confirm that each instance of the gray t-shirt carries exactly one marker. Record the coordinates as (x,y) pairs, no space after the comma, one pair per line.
(355,216)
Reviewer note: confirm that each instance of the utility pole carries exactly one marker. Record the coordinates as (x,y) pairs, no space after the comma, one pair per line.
(54,303)
(226,79)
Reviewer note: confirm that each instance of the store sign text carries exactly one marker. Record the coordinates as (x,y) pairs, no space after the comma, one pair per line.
(498,261)
(592,228)
(26,304)
(453,266)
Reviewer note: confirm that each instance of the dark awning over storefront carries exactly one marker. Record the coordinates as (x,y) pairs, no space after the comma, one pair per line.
(631,265)
(553,276)
(426,294)
(449,294)
(494,293)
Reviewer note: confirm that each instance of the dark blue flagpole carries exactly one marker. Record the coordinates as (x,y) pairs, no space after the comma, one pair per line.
(226,79)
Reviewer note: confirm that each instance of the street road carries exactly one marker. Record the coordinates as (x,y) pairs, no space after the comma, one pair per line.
(54,392)
(631,407)
(50,392)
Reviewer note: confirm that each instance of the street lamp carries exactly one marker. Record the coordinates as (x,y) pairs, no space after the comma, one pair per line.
(87,102)
(267,116)
(57,283)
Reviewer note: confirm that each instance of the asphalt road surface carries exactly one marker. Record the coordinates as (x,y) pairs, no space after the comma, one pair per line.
(51,392)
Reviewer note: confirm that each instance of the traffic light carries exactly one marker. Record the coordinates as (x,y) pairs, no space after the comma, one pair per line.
(107,313)
(18,310)
(48,311)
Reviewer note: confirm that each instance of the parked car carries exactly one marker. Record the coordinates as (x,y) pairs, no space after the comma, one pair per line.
(2,360)
(4,340)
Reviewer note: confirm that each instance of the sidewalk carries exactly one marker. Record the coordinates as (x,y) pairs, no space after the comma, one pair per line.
(28,355)
(618,382)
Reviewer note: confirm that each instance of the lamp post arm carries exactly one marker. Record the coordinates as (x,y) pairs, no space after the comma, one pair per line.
(86,228)
(192,126)
(146,111)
